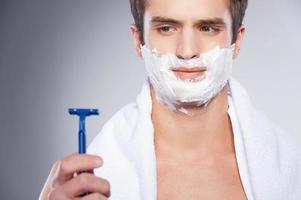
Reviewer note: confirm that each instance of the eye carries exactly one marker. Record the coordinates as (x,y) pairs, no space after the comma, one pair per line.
(166,29)
(207,28)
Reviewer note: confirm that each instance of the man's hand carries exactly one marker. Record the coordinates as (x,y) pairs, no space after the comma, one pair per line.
(66,182)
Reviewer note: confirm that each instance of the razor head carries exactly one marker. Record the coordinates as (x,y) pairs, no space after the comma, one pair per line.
(82,112)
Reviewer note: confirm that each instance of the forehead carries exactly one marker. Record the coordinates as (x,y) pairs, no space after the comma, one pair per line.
(188,9)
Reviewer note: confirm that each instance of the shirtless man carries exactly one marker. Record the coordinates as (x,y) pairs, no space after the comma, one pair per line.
(201,139)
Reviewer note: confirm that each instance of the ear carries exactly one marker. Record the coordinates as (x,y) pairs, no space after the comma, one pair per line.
(136,39)
(239,39)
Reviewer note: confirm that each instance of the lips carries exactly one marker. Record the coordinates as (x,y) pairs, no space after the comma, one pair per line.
(188,73)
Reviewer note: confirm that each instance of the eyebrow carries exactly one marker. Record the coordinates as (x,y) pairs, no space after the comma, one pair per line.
(209,21)
(159,19)
(212,21)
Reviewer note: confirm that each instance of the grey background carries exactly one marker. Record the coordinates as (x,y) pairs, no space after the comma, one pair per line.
(58,54)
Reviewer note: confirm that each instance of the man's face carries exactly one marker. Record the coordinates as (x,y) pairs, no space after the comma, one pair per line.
(187,27)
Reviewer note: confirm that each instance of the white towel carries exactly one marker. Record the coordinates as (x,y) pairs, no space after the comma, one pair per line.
(269,160)
(272,156)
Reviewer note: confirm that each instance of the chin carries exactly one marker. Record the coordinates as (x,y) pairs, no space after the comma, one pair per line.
(192,105)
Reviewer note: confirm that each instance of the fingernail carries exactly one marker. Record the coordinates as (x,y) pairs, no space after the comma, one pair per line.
(98,162)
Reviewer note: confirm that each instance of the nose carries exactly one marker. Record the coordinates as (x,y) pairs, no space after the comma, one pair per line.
(187,47)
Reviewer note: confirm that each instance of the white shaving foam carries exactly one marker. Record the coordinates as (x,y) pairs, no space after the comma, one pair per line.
(173,91)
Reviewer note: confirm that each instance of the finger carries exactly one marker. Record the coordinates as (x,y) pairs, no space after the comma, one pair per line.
(86,182)
(93,196)
(75,163)
(56,193)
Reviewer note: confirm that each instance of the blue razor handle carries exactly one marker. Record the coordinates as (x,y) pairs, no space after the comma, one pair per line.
(82,113)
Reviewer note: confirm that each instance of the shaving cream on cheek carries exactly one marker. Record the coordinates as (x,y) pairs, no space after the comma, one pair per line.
(174,91)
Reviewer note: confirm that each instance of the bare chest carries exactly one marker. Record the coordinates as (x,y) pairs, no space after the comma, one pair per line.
(194,181)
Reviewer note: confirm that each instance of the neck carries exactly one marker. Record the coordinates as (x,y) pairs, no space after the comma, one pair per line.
(205,130)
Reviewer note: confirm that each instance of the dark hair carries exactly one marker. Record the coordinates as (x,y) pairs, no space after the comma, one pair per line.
(237,10)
